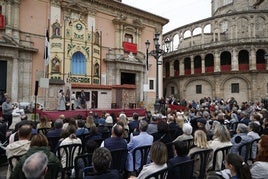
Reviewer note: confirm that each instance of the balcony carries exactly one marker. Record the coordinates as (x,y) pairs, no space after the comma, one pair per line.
(187,71)
(2,21)
(130,47)
(167,74)
(225,68)
(243,67)
(197,71)
(209,69)
(177,73)
(261,66)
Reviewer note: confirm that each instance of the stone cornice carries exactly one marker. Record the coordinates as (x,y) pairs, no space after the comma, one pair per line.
(114,6)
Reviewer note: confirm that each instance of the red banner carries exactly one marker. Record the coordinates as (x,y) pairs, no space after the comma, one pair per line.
(2,21)
(130,47)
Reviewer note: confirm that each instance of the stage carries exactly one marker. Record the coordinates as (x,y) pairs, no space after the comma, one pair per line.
(53,115)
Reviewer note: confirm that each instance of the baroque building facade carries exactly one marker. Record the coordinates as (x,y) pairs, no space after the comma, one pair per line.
(97,46)
(222,56)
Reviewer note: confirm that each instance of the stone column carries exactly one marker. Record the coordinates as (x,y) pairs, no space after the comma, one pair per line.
(234,62)
(252,59)
(171,68)
(16,16)
(181,67)
(15,80)
(192,64)
(217,62)
(203,63)
(266,60)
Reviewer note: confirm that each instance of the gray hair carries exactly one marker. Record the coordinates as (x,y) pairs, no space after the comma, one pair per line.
(242,128)
(58,123)
(143,125)
(187,128)
(35,165)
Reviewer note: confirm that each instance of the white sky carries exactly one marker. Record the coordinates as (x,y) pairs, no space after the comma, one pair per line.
(179,12)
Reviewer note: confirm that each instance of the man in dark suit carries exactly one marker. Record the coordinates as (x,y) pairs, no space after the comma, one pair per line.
(135,123)
(101,161)
(115,141)
(182,151)
(56,132)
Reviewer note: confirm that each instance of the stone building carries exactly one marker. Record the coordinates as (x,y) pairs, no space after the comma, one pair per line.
(222,56)
(97,46)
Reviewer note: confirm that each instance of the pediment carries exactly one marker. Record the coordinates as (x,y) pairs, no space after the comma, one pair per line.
(10,40)
(78,7)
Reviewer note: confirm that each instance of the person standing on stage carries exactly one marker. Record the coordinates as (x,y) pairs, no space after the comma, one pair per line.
(7,109)
(83,99)
(68,99)
(61,101)
(73,100)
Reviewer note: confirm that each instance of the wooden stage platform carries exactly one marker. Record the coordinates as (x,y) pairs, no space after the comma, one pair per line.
(73,113)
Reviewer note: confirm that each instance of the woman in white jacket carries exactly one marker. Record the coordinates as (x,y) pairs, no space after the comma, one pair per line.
(221,138)
(259,169)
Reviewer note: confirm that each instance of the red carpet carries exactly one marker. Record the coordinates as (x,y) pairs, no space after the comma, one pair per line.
(55,114)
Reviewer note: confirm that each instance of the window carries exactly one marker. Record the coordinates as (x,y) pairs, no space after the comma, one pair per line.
(151,84)
(128,38)
(78,64)
(224,26)
(198,89)
(235,88)
(172,90)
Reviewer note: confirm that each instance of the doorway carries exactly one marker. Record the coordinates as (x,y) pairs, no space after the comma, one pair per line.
(3,76)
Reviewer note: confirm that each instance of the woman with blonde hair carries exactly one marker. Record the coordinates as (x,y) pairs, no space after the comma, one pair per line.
(159,156)
(44,123)
(201,143)
(89,122)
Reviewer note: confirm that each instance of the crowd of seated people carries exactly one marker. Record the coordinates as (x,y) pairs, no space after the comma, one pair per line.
(210,124)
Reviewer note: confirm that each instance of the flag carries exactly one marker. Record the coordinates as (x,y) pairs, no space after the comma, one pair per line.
(47,49)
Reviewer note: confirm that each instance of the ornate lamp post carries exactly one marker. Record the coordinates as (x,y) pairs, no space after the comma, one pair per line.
(157,53)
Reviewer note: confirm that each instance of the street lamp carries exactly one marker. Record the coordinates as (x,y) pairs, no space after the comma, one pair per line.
(157,53)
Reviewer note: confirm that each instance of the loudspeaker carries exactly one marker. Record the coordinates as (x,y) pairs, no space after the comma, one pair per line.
(36,88)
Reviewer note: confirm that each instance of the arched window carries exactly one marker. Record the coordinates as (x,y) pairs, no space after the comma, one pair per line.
(197,64)
(209,63)
(260,61)
(187,66)
(243,57)
(128,38)
(243,60)
(78,63)
(226,61)
(176,68)
(167,65)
